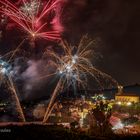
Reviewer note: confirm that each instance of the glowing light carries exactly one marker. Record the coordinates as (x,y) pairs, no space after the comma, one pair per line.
(3,70)
(119,103)
(33,34)
(74,59)
(129,103)
(60,72)
(98,97)
(68,68)
(119,125)
(103,97)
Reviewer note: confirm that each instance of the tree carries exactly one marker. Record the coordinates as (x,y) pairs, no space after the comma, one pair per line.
(102,114)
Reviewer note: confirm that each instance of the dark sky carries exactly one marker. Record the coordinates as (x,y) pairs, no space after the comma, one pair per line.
(117,24)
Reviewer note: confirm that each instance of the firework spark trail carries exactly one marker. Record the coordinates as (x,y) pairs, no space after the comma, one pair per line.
(53,97)
(16,99)
(13,53)
(7,78)
(74,66)
(29,17)
(48,112)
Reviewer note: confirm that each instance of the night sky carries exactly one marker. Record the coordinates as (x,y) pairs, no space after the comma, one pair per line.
(116,26)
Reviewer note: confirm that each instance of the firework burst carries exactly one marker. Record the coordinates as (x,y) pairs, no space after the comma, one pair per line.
(74,67)
(31,17)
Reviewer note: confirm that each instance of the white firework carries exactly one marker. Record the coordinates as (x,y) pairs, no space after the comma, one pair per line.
(31,9)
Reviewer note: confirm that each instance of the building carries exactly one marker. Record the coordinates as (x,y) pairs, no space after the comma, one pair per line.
(123,97)
(127,98)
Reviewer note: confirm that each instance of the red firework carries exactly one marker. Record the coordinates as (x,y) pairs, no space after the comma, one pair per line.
(32,16)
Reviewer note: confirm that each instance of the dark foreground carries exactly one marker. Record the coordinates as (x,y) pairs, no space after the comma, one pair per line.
(43,132)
